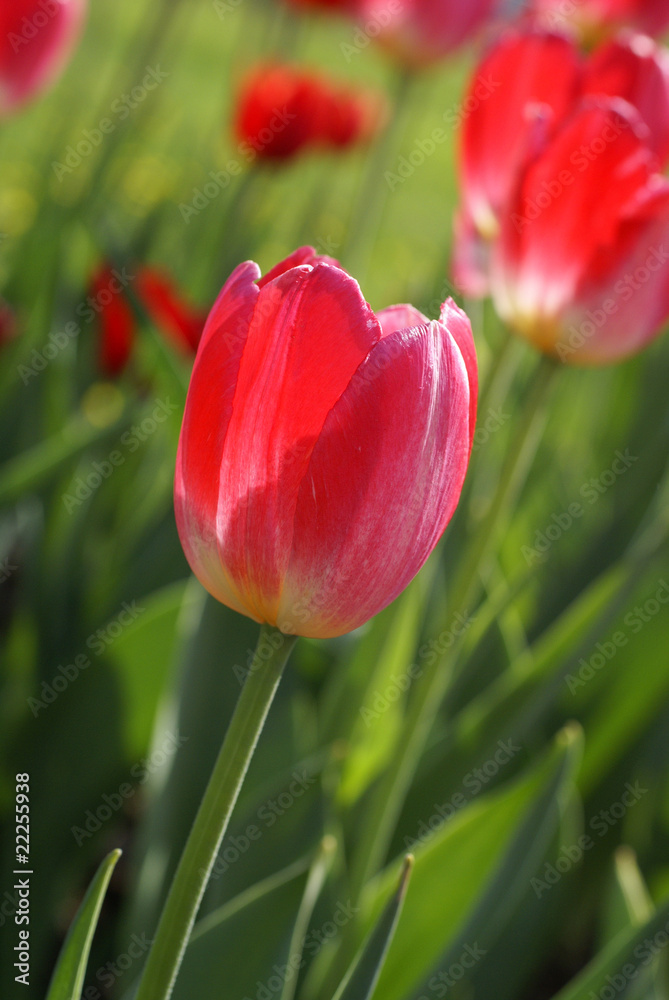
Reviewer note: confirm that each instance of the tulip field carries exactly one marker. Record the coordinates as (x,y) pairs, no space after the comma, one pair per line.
(334,500)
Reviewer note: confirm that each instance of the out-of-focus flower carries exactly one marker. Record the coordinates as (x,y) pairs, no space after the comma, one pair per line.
(345,7)
(282,111)
(525,87)
(635,68)
(593,20)
(520,92)
(36,39)
(323,447)
(580,267)
(8,325)
(176,319)
(420,32)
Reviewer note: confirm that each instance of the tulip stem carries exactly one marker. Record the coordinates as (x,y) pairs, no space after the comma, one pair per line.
(432,683)
(204,840)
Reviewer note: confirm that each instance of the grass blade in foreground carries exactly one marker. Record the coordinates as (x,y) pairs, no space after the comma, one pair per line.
(68,978)
(361,979)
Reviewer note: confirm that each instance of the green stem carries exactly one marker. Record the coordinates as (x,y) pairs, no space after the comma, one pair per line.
(431,685)
(204,840)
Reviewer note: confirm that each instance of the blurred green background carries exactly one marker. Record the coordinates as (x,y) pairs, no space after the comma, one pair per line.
(119,675)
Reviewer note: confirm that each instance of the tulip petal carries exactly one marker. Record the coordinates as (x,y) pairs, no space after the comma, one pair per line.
(635,68)
(382,483)
(303,255)
(457,323)
(396,318)
(522,90)
(566,213)
(205,426)
(310,331)
(624,303)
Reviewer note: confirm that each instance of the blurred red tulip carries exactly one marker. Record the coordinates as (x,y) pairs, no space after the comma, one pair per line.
(179,322)
(313,500)
(329,6)
(418,32)
(580,268)
(596,19)
(36,38)
(283,110)
(635,68)
(8,327)
(519,94)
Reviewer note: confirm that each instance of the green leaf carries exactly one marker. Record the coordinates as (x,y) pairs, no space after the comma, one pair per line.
(621,963)
(484,859)
(68,977)
(361,979)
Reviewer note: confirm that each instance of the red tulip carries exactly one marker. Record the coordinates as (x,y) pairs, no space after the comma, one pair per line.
(519,94)
(329,6)
(36,38)
(180,323)
(594,19)
(282,111)
(323,447)
(418,32)
(580,268)
(117,322)
(636,68)
(8,327)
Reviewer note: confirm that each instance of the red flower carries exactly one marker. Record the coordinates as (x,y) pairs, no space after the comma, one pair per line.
(180,323)
(8,327)
(36,38)
(520,92)
(282,110)
(636,68)
(594,19)
(423,31)
(580,268)
(323,448)
(520,95)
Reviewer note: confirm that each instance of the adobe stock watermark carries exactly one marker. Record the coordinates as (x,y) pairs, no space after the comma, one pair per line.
(7,569)
(309,947)
(85,486)
(473,782)
(370,30)
(111,802)
(444,980)
(423,148)
(121,108)
(599,825)
(267,815)
(87,310)
(577,335)
(399,684)
(247,152)
(592,491)
(111,972)
(225,7)
(605,651)
(97,642)
(31,26)
(581,159)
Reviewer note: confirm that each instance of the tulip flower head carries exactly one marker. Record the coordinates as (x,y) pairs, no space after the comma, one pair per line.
(36,38)
(323,447)
(179,322)
(593,20)
(581,265)
(283,111)
(420,32)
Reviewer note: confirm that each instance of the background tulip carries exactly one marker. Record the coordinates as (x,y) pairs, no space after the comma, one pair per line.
(36,38)
(580,267)
(635,68)
(593,19)
(282,110)
(520,92)
(177,320)
(419,32)
(323,448)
